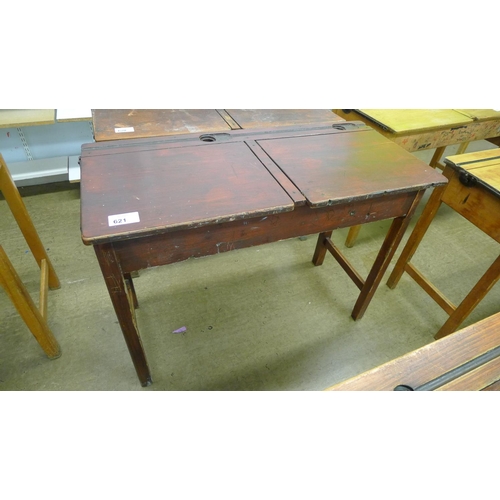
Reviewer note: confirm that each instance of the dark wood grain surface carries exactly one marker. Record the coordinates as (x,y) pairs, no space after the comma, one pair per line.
(154,122)
(177,187)
(187,183)
(109,123)
(334,168)
(255,118)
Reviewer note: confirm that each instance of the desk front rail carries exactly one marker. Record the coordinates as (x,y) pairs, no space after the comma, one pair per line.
(167,248)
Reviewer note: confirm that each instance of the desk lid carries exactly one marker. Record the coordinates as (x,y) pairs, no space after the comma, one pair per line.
(146,186)
(403,121)
(174,188)
(483,165)
(481,114)
(113,124)
(256,118)
(335,168)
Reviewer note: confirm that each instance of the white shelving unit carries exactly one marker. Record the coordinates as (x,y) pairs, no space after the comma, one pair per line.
(42,146)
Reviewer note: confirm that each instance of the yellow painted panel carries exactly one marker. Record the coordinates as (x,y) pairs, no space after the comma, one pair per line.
(26,117)
(489,175)
(402,121)
(480,114)
(475,156)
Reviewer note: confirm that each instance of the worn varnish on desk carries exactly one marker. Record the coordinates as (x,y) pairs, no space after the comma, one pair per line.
(174,185)
(255,118)
(115,124)
(191,196)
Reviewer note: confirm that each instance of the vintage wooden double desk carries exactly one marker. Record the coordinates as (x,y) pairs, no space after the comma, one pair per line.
(114,124)
(468,360)
(473,191)
(154,201)
(421,129)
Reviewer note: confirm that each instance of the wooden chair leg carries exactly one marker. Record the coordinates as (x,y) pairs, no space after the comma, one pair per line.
(27,309)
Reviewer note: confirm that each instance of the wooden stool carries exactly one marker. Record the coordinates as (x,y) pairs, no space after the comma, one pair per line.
(35,318)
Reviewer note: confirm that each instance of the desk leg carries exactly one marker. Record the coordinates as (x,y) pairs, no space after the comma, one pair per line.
(389,246)
(352,236)
(124,308)
(482,287)
(320,251)
(434,163)
(416,236)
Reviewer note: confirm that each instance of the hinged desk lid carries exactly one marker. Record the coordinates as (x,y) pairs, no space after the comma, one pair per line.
(403,121)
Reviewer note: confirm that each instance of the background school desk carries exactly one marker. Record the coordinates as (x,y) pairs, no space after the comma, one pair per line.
(474,192)
(433,364)
(419,129)
(113,124)
(151,202)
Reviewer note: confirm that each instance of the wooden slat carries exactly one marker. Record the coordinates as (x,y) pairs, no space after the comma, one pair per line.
(344,263)
(44,286)
(475,167)
(15,289)
(23,219)
(430,361)
(431,290)
(461,160)
(489,174)
(477,379)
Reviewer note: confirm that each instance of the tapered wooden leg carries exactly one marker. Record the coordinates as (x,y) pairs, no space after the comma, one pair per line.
(416,236)
(436,157)
(462,148)
(124,309)
(27,309)
(320,251)
(389,246)
(352,236)
(482,287)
